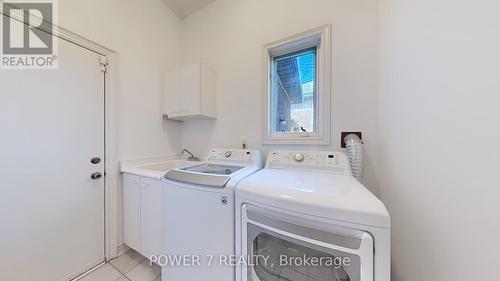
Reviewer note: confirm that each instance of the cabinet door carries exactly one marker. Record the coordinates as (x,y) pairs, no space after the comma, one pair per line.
(171,102)
(190,90)
(132,211)
(208,92)
(151,210)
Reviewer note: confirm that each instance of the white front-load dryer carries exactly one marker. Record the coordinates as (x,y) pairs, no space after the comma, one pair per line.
(304,217)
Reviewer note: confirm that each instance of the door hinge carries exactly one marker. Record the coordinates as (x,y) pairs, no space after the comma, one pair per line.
(103,62)
(104,67)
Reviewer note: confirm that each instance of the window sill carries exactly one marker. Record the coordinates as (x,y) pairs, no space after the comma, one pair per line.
(297,140)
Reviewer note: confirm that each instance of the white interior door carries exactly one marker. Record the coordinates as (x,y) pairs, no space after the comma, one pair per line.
(51,211)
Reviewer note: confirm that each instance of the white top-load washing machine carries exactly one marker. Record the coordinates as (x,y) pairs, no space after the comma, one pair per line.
(198,215)
(304,217)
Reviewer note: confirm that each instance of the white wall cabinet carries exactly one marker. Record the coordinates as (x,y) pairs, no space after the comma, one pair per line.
(190,93)
(142,214)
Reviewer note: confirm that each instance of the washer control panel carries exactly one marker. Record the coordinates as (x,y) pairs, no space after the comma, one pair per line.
(241,155)
(328,161)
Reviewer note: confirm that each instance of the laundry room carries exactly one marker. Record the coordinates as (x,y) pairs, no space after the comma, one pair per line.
(249,140)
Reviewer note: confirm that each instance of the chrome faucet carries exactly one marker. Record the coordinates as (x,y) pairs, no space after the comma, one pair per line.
(191,156)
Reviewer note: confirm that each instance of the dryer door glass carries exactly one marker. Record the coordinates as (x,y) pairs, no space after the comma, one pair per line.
(277,257)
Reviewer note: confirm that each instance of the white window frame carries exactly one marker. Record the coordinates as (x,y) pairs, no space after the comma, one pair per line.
(321,38)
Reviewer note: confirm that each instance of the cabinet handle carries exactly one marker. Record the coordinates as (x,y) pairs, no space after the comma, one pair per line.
(144,184)
(135,182)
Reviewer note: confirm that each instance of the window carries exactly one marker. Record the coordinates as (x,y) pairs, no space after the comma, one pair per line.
(293,97)
(298,89)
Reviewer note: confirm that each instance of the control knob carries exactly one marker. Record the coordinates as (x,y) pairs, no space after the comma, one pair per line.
(299,157)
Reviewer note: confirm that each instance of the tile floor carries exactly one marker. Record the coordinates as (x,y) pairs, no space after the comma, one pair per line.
(128,266)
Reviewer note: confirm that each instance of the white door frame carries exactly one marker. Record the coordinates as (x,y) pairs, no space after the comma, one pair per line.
(110,134)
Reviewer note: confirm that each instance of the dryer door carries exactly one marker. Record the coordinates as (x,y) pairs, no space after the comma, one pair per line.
(282,249)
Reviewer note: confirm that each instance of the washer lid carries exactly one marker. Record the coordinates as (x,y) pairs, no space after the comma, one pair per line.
(318,194)
(209,174)
(213,169)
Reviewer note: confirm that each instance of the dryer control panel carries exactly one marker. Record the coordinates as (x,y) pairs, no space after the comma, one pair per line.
(327,161)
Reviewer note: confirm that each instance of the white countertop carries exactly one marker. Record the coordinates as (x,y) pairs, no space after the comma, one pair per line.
(154,167)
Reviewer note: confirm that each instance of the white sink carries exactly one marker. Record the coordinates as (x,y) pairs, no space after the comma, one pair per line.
(166,166)
(155,170)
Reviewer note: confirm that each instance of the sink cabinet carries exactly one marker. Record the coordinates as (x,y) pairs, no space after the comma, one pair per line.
(132,211)
(142,209)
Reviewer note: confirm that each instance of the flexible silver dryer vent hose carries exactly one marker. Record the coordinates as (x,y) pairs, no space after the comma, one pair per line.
(354,147)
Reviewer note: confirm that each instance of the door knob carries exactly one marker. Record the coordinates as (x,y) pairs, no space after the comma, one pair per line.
(95,160)
(96,176)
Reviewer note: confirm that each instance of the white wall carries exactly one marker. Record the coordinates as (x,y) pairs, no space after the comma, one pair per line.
(229,36)
(145,36)
(439,121)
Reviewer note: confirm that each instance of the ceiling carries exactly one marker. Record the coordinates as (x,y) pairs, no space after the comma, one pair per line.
(183,8)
